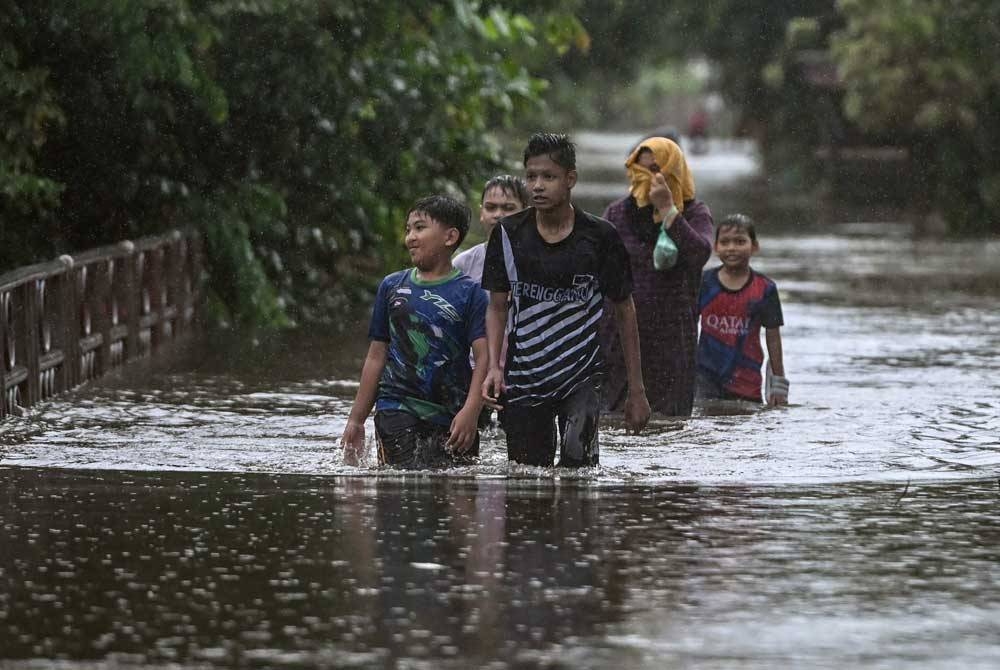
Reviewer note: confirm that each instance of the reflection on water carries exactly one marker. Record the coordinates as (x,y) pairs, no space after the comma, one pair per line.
(199,513)
(417,571)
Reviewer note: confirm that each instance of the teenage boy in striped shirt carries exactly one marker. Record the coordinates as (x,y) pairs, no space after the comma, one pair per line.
(554,264)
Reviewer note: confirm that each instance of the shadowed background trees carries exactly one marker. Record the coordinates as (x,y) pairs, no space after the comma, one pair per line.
(293,134)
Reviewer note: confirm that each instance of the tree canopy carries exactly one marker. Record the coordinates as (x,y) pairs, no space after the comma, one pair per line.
(803,76)
(292,133)
(924,71)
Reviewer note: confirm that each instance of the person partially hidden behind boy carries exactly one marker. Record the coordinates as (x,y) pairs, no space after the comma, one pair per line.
(735,302)
(417,373)
(503,195)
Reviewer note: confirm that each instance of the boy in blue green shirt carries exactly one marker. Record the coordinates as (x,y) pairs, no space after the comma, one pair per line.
(417,373)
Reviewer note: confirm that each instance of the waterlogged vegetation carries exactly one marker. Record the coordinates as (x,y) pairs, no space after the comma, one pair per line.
(294,133)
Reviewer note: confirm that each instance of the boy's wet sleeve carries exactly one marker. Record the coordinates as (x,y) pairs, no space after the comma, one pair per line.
(378,327)
(694,249)
(616,279)
(770,315)
(477,315)
(494,267)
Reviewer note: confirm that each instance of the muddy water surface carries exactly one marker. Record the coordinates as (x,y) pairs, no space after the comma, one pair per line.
(197,514)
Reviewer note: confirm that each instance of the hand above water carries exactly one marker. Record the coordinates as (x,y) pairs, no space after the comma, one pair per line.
(493,388)
(637,411)
(464,428)
(353,442)
(778,391)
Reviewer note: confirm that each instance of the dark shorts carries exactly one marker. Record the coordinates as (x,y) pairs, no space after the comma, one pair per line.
(404,441)
(531,430)
(707,387)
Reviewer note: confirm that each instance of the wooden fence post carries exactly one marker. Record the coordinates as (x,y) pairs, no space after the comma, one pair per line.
(105,316)
(4,305)
(153,287)
(68,326)
(30,335)
(132,299)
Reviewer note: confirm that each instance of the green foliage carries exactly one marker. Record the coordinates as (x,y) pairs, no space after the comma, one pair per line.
(27,116)
(621,60)
(741,37)
(916,66)
(239,269)
(293,133)
(603,100)
(620,75)
(925,72)
(912,73)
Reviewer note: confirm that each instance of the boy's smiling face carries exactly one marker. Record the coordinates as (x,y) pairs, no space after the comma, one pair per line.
(734,248)
(428,240)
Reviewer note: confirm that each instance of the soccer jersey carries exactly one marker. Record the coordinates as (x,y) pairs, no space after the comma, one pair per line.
(429,327)
(729,351)
(557,293)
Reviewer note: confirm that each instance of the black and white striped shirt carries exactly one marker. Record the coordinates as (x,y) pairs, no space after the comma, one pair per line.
(557,296)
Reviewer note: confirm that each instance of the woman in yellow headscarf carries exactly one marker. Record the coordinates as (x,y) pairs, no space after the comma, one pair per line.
(658,155)
(661,197)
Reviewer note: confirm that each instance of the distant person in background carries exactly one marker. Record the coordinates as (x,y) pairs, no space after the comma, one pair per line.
(503,195)
(661,197)
(698,130)
(735,303)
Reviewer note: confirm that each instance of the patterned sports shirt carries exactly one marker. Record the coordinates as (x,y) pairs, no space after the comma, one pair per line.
(729,350)
(430,327)
(556,293)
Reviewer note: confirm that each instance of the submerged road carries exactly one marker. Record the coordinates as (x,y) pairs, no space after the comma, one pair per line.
(199,514)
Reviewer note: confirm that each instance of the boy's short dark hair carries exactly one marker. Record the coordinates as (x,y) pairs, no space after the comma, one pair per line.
(445,210)
(740,222)
(556,146)
(509,184)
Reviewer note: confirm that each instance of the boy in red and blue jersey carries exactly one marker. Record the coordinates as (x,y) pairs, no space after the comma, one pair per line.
(735,302)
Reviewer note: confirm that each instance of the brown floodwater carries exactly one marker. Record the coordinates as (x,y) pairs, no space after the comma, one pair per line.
(197,513)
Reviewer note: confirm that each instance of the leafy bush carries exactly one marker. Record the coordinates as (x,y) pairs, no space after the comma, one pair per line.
(293,133)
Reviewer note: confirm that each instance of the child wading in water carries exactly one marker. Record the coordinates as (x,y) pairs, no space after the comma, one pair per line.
(548,270)
(503,195)
(417,373)
(735,302)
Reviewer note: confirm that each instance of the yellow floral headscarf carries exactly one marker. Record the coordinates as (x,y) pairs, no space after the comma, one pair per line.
(673,167)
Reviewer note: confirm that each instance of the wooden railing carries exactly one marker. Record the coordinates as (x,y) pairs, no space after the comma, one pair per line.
(73,319)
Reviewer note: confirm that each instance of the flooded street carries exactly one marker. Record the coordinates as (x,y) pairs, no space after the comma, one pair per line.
(452,572)
(198,513)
